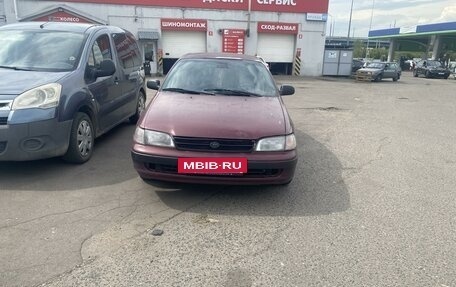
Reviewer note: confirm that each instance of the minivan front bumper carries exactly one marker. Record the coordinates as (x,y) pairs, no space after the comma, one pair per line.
(34,140)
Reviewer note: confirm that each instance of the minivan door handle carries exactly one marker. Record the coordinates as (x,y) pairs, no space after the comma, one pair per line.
(116,80)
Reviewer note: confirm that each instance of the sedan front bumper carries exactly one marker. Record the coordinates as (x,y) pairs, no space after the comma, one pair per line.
(267,168)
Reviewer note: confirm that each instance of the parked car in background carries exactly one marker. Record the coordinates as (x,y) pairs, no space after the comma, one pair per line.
(377,71)
(64,84)
(452,68)
(356,65)
(217,119)
(431,69)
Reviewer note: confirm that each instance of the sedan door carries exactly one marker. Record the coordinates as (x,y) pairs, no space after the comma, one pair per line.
(389,71)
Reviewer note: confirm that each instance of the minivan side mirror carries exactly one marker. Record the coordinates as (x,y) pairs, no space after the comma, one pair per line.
(153,84)
(286,90)
(107,68)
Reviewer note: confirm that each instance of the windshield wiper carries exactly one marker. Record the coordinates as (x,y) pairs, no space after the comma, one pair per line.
(15,68)
(234,92)
(185,91)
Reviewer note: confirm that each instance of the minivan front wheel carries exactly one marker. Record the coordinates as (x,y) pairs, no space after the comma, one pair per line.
(140,107)
(80,148)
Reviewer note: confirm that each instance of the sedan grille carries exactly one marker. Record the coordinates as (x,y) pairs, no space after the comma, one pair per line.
(3,121)
(213,145)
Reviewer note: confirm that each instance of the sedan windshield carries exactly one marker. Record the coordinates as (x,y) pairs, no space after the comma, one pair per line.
(40,50)
(376,65)
(435,64)
(229,77)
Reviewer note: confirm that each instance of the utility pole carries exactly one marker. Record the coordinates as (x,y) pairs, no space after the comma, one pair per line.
(349,24)
(370,28)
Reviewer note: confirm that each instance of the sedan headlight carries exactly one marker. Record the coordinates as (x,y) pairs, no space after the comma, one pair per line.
(147,137)
(46,96)
(280,143)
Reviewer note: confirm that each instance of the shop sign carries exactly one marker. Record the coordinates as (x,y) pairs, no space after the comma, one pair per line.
(317,17)
(184,24)
(291,6)
(281,28)
(233,41)
(62,16)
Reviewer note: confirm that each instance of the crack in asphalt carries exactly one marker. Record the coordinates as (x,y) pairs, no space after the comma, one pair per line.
(378,156)
(56,277)
(54,214)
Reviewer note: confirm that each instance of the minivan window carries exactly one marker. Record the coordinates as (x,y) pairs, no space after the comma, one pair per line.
(101,50)
(40,50)
(127,50)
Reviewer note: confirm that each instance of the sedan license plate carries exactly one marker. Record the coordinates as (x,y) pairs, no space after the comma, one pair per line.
(212,166)
(441,73)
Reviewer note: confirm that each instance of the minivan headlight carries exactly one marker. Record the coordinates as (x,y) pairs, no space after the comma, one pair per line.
(147,137)
(280,143)
(46,96)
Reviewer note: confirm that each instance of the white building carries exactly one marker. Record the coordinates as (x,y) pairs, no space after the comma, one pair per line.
(288,34)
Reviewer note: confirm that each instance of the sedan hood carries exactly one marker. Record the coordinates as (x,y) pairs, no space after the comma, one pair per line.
(215,116)
(13,83)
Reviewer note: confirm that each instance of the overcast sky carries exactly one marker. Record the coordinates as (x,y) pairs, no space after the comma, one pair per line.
(387,13)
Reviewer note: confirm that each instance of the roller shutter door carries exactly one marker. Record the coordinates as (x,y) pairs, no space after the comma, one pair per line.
(178,43)
(276,48)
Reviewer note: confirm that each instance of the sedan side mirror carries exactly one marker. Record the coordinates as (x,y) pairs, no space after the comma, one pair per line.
(286,90)
(153,84)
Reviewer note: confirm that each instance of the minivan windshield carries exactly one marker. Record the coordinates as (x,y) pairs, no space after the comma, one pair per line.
(40,50)
(228,77)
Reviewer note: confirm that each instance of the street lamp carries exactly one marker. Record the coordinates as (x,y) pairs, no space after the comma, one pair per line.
(349,24)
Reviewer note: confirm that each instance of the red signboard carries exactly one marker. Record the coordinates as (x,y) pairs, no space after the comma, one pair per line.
(184,24)
(62,16)
(281,28)
(291,6)
(233,41)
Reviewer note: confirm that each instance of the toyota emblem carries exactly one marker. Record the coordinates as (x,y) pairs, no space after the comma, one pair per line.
(214,145)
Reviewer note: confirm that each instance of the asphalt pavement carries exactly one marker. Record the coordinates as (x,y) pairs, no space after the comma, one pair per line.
(372,204)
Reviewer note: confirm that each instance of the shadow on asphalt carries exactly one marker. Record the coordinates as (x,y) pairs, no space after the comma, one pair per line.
(317,188)
(111,163)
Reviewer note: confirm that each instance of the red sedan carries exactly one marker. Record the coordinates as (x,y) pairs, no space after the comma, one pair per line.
(216,119)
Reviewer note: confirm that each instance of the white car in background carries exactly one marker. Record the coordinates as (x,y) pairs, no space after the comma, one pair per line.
(452,67)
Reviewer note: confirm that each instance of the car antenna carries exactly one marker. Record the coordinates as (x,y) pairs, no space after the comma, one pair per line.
(42,25)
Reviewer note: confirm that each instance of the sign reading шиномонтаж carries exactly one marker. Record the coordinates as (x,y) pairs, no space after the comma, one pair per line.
(184,24)
(291,6)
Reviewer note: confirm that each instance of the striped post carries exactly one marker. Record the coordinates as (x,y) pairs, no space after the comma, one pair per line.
(297,63)
(160,61)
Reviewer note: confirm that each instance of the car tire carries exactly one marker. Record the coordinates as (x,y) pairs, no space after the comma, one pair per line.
(446,77)
(427,74)
(396,78)
(378,78)
(80,148)
(415,74)
(140,107)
